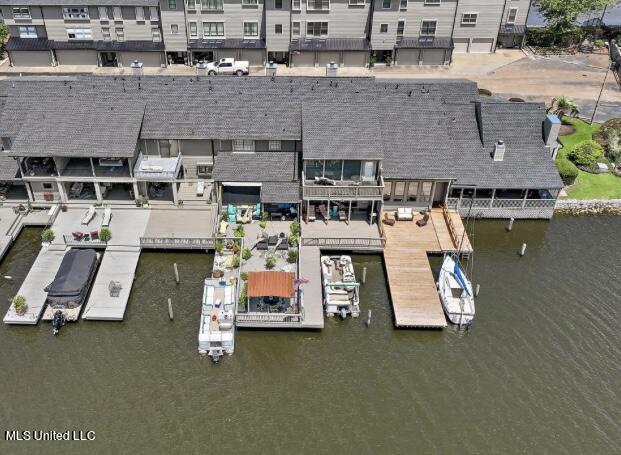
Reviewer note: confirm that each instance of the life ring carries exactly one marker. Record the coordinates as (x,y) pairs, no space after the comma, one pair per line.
(214,317)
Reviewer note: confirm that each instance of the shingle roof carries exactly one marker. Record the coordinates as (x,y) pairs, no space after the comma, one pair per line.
(38,44)
(28,44)
(8,168)
(272,192)
(256,167)
(425,42)
(230,43)
(329,44)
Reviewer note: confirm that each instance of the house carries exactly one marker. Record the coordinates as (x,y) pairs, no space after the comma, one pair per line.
(353,146)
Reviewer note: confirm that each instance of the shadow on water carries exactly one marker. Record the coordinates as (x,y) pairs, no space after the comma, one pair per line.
(538,373)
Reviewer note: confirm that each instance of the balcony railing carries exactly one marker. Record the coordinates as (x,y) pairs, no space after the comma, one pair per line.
(75,243)
(456,203)
(203,243)
(268,318)
(312,190)
(157,168)
(357,243)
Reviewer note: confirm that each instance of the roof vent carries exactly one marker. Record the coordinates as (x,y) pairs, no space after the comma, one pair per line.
(499,151)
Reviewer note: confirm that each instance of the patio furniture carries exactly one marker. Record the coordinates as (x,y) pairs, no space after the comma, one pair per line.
(105,222)
(282,235)
(76,189)
(342,215)
(324,213)
(424,220)
(200,188)
(310,215)
(223,227)
(89,215)
(94,235)
(261,245)
(114,287)
(405,214)
(245,216)
(283,245)
(77,235)
(272,240)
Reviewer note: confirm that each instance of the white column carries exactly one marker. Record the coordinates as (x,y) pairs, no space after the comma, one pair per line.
(29,191)
(491,202)
(61,192)
(136,193)
(98,191)
(174,191)
(349,212)
(372,210)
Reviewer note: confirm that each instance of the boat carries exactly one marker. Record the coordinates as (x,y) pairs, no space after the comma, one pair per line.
(67,293)
(455,292)
(216,335)
(341,291)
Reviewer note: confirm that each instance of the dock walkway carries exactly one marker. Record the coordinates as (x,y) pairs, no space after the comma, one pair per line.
(412,285)
(119,265)
(310,269)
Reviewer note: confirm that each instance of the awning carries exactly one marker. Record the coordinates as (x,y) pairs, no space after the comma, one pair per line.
(425,42)
(272,284)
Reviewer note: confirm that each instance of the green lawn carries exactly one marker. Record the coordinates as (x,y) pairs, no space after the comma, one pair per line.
(589,186)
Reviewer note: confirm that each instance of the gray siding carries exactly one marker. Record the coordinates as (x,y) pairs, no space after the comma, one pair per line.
(344,20)
(384,41)
(174,42)
(273,16)
(488,21)
(522,14)
(233,16)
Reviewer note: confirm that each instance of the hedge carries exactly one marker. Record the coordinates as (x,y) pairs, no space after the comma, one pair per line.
(586,154)
(567,170)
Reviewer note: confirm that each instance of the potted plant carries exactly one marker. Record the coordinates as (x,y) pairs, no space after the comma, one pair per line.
(246,254)
(292,256)
(236,248)
(239,231)
(63,207)
(217,273)
(235,262)
(294,227)
(388,60)
(105,234)
(270,262)
(243,297)
(244,276)
(47,237)
(219,247)
(19,303)
(262,224)
(293,239)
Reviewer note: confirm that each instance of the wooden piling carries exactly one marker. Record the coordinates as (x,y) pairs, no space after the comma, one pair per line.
(176,272)
(510,225)
(364,275)
(369,319)
(523,250)
(476,292)
(170,309)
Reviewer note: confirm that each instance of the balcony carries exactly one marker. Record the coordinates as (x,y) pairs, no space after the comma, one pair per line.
(323,189)
(157,168)
(39,167)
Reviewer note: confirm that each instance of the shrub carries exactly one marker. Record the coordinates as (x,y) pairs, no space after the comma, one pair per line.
(270,262)
(239,231)
(243,297)
(246,254)
(105,234)
(613,149)
(293,239)
(19,302)
(219,247)
(235,262)
(586,154)
(244,276)
(262,224)
(295,228)
(567,170)
(599,43)
(292,256)
(47,235)
(264,216)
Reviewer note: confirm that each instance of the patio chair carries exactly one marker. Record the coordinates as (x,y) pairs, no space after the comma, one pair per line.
(94,235)
(272,240)
(424,220)
(89,215)
(283,245)
(405,214)
(107,216)
(200,188)
(324,213)
(342,216)
(261,245)
(77,235)
(310,215)
(224,225)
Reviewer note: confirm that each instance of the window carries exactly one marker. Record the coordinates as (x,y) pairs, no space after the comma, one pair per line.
(317,28)
(351,170)
(172,4)
(383,28)
(250,2)
(433,2)
(193,30)
(274,146)
(333,169)
(295,28)
(278,4)
(120,34)
(105,33)
(313,168)
(243,145)
(512,15)
(21,12)
(153,11)
(139,13)
(399,191)
(212,5)
(191,4)
(79,33)
(174,29)
(47,186)
(317,5)
(213,28)
(80,12)
(156,37)
(278,29)
(27,31)
(251,29)
(469,18)
(386,4)
(356,2)
(403,5)
(400,27)
(103,13)
(118,15)
(387,191)
(428,28)
(412,191)
(296,5)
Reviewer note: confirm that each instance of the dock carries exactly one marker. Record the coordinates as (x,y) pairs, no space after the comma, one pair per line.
(310,269)
(411,282)
(118,265)
(40,275)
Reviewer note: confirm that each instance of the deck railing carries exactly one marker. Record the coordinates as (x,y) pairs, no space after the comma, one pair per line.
(73,242)
(269,318)
(456,203)
(345,243)
(200,243)
(310,190)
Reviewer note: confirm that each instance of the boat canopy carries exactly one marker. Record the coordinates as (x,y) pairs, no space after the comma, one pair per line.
(74,273)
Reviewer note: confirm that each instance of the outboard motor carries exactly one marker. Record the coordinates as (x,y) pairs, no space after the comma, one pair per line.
(215,355)
(343,313)
(58,321)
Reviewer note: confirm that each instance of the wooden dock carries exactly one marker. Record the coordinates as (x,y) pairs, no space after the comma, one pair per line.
(310,269)
(119,265)
(411,282)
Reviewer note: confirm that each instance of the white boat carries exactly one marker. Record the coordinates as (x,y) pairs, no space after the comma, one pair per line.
(455,292)
(216,335)
(340,289)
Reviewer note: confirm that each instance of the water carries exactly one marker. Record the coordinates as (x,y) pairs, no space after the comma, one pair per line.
(539,373)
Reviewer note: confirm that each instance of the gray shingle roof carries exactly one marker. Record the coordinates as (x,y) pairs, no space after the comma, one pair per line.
(256,167)
(8,168)
(329,44)
(230,43)
(280,192)
(425,42)
(37,44)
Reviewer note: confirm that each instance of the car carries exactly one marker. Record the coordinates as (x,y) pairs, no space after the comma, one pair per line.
(227,66)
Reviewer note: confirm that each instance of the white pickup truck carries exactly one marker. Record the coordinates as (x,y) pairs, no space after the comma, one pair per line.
(227,66)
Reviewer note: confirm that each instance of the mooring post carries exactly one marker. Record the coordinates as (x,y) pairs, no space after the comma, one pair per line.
(369,319)
(364,275)
(510,225)
(476,292)
(523,250)
(170,309)
(176,272)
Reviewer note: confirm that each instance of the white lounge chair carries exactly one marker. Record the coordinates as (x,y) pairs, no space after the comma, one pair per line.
(107,216)
(89,215)
(405,214)
(200,188)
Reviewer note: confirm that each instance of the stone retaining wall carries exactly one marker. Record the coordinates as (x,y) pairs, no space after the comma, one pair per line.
(587,207)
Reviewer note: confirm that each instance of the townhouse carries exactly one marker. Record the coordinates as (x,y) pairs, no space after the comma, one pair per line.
(295,32)
(288,144)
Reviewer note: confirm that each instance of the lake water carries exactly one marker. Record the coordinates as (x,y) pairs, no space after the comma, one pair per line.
(540,372)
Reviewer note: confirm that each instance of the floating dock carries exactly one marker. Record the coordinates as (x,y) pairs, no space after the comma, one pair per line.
(119,266)
(310,269)
(411,282)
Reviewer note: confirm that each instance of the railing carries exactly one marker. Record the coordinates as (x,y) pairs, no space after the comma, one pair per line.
(310,190)
(500,203)
(269,318)
(345,243)
(73,242)
(201,243)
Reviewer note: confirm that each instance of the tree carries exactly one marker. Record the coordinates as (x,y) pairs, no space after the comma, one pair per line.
(562,14)
(562,105)
(4,34)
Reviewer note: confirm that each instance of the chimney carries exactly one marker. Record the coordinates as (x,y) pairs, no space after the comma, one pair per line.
(551,129)
(499,151)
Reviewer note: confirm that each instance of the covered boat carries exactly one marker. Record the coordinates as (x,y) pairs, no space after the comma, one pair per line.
(216,335)
(340,289)
(455,292)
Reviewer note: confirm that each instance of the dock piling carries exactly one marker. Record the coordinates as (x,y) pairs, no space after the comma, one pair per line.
(476,291)
(510,225)
(364,275)
(369,318)
(170,309)
(523,250)
(176,272)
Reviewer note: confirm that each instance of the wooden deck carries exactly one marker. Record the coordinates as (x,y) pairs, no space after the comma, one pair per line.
(411,282)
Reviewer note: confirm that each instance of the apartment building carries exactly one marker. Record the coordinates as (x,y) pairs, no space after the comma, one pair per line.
(300,33)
